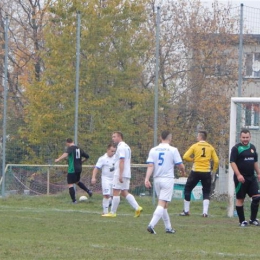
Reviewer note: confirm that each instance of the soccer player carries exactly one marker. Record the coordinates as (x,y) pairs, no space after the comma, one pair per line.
(122,176)
(244,162)
(106,164)
(202,154)
(74,155)
(161,162)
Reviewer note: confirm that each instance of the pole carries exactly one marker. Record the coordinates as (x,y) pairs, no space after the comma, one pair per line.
(77,79)
(156,76)
(156,83)
(240,67)
(5,105)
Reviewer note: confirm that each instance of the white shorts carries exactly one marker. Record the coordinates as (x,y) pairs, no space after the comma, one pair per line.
(164,188)
(121,186)
(107,184)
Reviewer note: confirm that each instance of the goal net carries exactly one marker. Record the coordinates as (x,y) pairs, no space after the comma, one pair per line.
(24,179)
(244,113)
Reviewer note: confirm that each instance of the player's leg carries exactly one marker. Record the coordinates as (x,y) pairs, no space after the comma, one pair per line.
(82,185)
(206,186)
(116,197)
(253,193)
(166,194)
(192,181)
(106,191)
(129,197)
(240,189)
(71,178)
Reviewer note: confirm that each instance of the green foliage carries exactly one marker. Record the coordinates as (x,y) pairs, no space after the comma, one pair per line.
(111,95)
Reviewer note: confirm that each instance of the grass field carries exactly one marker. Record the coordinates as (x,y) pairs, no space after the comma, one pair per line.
(52,228)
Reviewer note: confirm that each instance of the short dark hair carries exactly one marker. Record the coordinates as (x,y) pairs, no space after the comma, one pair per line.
(165,134)
(245,131)
(119,133)
(111,145)
(69,140)
(203,134)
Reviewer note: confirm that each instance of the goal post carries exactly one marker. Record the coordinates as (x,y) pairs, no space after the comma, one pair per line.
(237,114)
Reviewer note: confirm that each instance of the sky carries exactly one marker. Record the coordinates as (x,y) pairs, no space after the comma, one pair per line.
(250,3)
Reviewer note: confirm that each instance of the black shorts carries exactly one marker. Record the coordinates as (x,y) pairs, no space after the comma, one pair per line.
(249,187)
(194,178)
(73,177)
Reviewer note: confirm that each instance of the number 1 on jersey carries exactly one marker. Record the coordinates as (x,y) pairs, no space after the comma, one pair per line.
(161,159)
(203,152)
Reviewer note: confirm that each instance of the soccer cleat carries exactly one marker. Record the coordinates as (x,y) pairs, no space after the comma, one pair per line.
(204,215)
(74,202)
(254,222)
(90,193)
(243,224)
(170,231)
(183,214)
(138,212)
(151,230)
(109,215)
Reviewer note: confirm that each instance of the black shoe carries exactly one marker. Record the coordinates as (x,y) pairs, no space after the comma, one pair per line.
(254,222)
(170,231)
(204,215)
(151,230)
(184,214)
(244,224)
(90,193)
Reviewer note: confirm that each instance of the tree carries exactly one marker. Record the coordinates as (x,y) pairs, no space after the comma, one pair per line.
(111,96)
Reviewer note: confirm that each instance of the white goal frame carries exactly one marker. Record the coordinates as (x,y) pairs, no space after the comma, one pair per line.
(232,142)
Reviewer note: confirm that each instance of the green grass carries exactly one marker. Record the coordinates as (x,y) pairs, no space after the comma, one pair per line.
(52,228)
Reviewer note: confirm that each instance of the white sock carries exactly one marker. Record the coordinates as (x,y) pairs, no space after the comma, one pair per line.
(158,213)
(166,219)
(115,203)
(186,206)
(131,200)
(205,206)
(105,205)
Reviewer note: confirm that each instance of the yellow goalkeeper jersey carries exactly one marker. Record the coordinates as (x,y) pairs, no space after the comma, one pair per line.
(202,154)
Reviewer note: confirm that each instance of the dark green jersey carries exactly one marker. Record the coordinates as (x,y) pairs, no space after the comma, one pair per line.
(244,156)
(75,155)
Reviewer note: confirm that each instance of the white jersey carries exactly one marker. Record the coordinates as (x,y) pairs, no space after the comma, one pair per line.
(164,157)
(123,151)
(107,165)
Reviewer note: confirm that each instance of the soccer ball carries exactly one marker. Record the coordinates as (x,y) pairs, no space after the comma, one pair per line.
(83,198)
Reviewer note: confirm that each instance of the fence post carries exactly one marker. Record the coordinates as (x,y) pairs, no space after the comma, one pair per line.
(48,181)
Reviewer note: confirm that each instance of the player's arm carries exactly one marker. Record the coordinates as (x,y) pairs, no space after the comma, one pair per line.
(149,172)
(233,157)
(215,160)
(181,167)
(188,156)
(237,172)
(94,174)
(121,169)
(63,156)
(85,155)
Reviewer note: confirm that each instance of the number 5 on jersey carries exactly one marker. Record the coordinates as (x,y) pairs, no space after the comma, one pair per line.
(161,159)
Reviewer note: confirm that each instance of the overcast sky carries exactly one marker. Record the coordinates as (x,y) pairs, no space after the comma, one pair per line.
(250,3)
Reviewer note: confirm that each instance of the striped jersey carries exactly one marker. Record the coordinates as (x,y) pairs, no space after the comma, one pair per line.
(75,155)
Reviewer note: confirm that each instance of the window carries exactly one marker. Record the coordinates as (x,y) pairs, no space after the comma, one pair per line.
(252,65)
(252,116)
